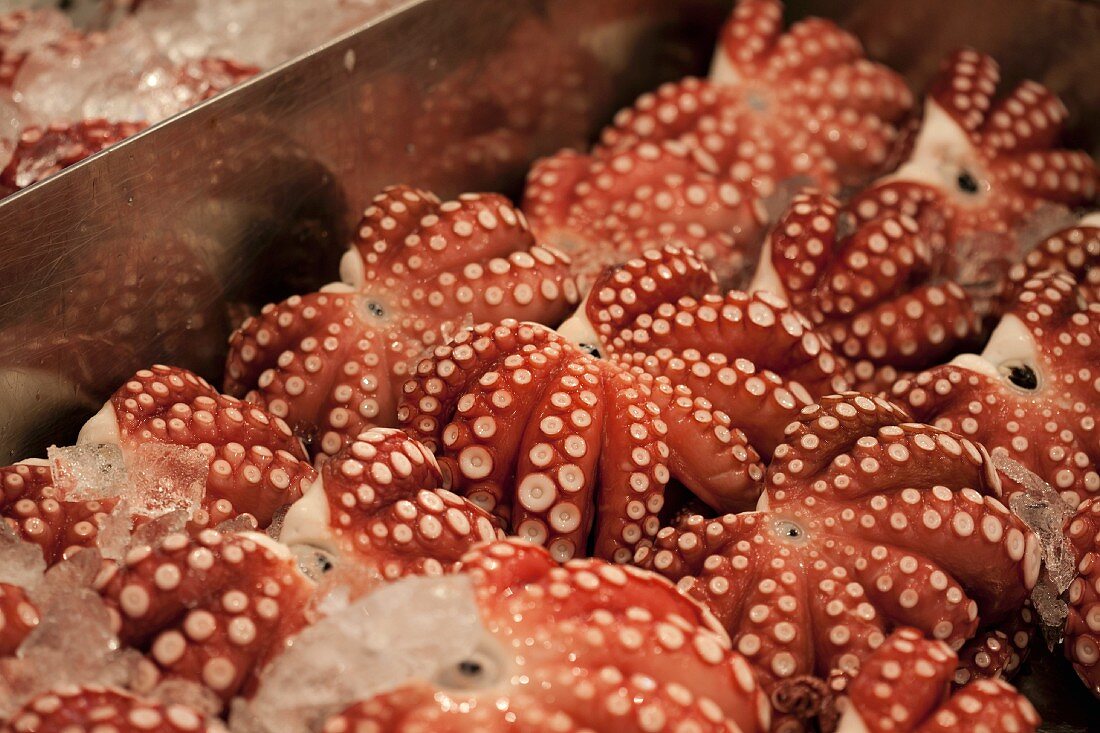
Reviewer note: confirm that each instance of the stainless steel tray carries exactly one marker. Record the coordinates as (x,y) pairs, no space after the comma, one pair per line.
(148,251)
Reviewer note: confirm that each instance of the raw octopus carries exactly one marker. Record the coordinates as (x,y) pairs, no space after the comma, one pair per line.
(693,162)
(331,363)
(1033,392)
(869,521)
(876,288)
(750,358)
(584,646)
(73,709)
(1083,626)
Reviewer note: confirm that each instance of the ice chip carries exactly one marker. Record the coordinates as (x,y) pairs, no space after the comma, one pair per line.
(88,472)
(151,533)
(21,562)
(74,643)
(113,538)
(1044,511)
(375,644)
(239,523)
(164,478)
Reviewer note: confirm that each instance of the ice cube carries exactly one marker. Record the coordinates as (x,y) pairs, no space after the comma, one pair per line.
(374,644)
(21,562)
(151,533)
(1045,512)
(113,538)
(41,28)
(88,472)
(73,643)
(165,478)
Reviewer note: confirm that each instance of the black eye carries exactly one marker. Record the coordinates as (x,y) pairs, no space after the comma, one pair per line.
(480,669)
(788,530)
(1023,376)
(590,349)
(966,182)
(470,668)
(314,562)
(376,309)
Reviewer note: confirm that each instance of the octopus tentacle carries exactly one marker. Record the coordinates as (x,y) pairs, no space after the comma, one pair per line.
(37,510)
(256,463)
(846,528)
(209,608)
(1082,636)
(380,506)
(998,652)
(93,707)
(1026,395)
(18,617)
(903,687)
(1075,250)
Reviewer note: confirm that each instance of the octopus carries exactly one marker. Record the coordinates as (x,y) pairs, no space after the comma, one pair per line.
(1033,392)
(1074,249)
(379,506)
(1082,634)
(902,687)
(583,646)
(869,522)
(877,290)
(40,513)
(331,363)
(256,464)
(209,608)
(983,166)
(694,161)
(753,357)
(87,708)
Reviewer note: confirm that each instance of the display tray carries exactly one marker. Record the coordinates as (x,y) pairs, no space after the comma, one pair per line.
(150,251)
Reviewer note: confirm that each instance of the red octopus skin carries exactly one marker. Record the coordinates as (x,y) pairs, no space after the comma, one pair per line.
(256,463)
(380,503)
(33,507)
(902,688)
(752,356)
(18,617)
(704,154)
(331,363)
(41,152)
(1075,249)
(982,164)
(209,608)
(1033,393)
(876,292)
(869,522)
(95,709)
(524,421)
(1082,635)
(597,647)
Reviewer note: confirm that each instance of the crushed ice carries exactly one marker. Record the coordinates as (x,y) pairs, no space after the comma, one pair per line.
(1044,511)
(152,479)
(74,643)
(416,628)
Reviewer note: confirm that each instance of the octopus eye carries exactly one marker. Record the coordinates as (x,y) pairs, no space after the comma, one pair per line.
(789,531)
(478,669)
(314,562)
(966,182)
(376,309)
(590,349)
(1021,375)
